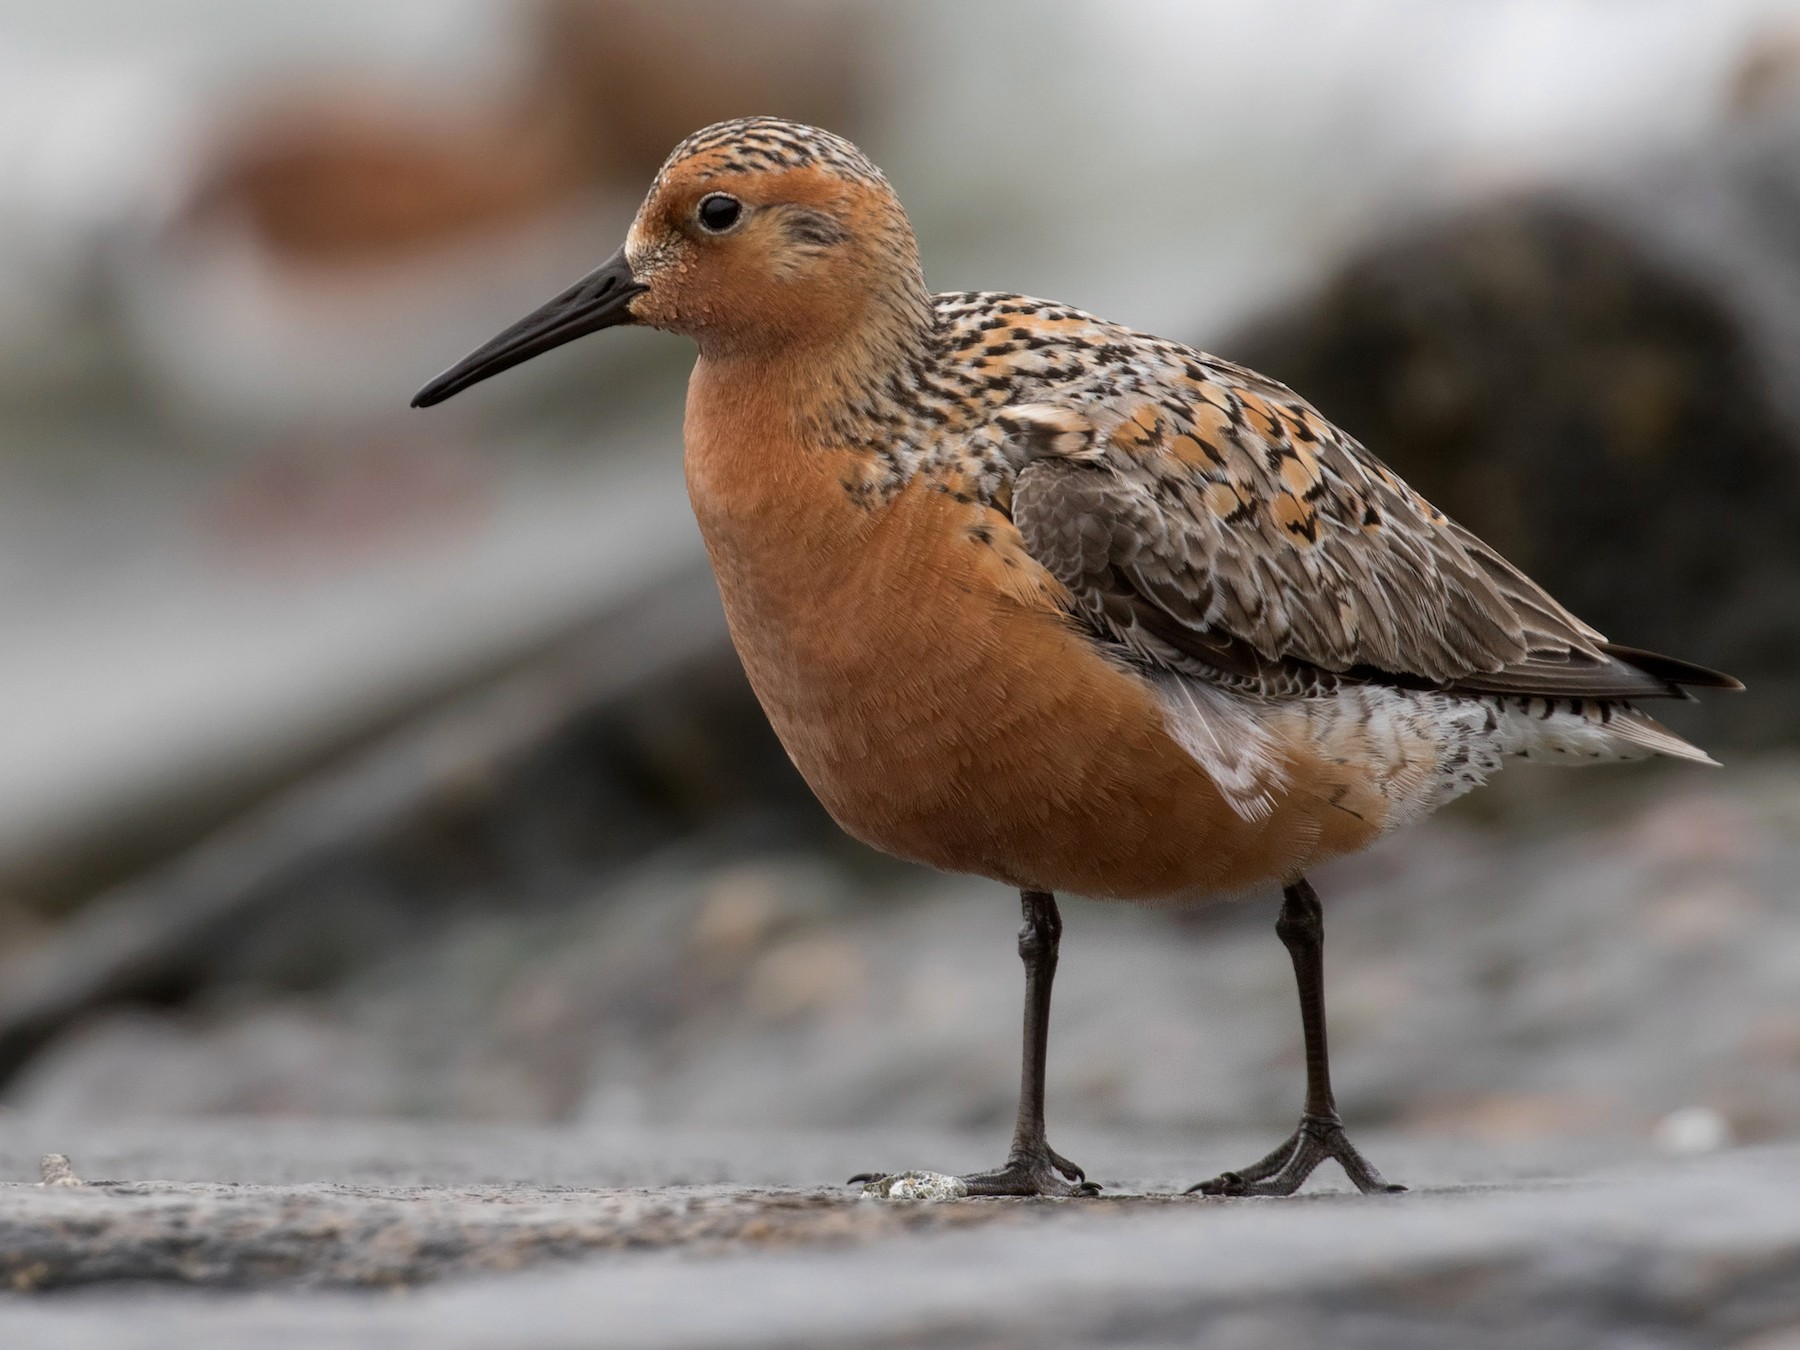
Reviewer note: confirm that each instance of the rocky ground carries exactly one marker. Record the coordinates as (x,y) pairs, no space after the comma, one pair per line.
(634,1241)
(1571,1027)
(1598,965)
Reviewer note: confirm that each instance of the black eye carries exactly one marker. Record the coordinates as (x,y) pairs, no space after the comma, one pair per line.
(719,212)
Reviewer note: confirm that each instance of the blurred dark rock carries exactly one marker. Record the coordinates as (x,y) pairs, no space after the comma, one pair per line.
(1602,382)
(630,734)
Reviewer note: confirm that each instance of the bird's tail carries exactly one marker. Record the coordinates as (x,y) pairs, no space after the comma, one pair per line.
(1644,731)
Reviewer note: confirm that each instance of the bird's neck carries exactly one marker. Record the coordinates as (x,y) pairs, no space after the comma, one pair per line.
(819,375)
(779,512)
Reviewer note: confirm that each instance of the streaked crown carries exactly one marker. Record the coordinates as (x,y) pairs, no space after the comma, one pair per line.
(765,144)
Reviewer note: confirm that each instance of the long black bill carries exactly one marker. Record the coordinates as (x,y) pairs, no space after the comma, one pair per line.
(597,301)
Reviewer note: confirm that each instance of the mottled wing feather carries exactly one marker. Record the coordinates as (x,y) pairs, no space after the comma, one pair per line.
(1214,524)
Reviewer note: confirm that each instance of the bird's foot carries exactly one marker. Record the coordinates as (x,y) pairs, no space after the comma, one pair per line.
(1041,1171)
(1286,1169)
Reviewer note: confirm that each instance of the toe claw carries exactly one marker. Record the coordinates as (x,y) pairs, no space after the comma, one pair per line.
(1226,1183)
(1286,1169)
(864,1178)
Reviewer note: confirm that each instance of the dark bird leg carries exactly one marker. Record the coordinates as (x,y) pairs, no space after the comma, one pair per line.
(1320,1135)
(1033,1167)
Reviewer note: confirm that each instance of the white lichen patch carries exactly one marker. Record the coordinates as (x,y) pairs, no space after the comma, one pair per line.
(57,1170)
(916,1186)
(1693,1130)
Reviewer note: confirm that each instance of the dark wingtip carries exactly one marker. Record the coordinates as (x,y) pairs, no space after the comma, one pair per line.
(1678,673)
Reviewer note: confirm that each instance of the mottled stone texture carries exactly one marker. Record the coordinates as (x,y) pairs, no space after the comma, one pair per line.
(1645,1253)
(359,1237)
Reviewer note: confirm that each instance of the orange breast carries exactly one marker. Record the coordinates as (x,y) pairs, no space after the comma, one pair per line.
(932,694)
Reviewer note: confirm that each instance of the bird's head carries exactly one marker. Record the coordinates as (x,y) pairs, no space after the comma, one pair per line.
(760,238)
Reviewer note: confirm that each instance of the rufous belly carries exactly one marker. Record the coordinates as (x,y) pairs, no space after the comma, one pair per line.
(932,694)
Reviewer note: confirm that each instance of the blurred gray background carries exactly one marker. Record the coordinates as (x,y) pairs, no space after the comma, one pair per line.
(363,762)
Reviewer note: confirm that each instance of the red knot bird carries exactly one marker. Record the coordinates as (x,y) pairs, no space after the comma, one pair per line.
(1030,595)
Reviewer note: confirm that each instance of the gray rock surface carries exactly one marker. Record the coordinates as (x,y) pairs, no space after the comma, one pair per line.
(1628,1252)
(208,1234)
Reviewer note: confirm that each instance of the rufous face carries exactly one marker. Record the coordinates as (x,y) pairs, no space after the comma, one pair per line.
(746,260)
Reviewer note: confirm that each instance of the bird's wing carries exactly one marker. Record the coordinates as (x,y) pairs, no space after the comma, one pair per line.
(1214,524)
